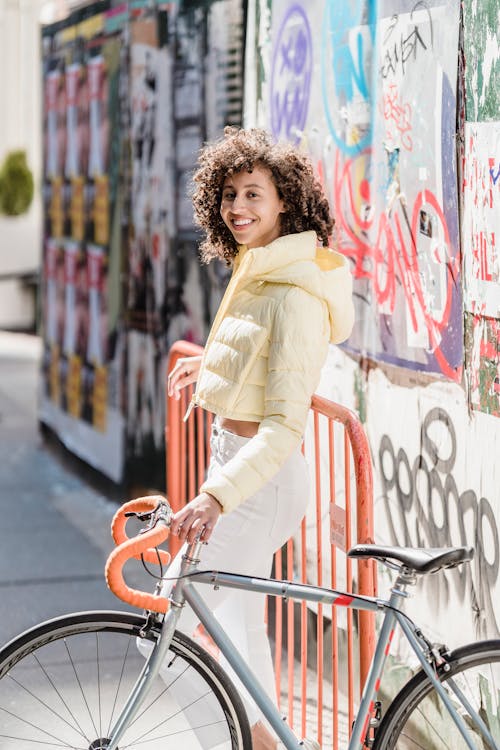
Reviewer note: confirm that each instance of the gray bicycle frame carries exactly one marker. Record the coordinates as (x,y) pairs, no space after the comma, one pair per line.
(185,591)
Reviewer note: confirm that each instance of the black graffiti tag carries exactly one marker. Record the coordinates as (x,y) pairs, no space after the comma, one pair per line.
(402,49)
(425,509)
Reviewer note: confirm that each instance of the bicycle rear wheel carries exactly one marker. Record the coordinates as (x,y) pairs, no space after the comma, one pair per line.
(63,683)
(417,718)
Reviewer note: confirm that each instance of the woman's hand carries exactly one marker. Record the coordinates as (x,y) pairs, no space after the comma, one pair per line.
(184,373)
(197,518)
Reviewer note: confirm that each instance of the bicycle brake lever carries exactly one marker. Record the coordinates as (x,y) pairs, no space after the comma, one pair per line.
(141,516)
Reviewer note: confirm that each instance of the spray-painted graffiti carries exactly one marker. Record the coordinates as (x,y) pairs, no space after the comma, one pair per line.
(425,508)
(494,176)
(407,260)
(345,73)
(391,180)
(404,44)
(291,75)
(397,115)
(481,195)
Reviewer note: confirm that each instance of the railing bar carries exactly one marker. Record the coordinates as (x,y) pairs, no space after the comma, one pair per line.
(303,629)
(350,661)
(183,463)
(333,583)
(319,573)
(290,634)
(191,461)
(278,627)
(201,441)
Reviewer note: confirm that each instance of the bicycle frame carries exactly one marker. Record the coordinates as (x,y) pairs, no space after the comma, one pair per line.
(185,591)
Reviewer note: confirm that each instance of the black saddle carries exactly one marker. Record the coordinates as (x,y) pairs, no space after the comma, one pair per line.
(419,559)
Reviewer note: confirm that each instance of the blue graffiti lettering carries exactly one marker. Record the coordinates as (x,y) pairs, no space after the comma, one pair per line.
(346,52)
(291,75)
(346,70)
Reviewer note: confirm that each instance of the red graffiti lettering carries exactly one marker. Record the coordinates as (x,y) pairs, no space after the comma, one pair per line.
(392,262)
(397,115)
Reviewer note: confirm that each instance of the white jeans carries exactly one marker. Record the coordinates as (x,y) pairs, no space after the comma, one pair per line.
(244,541)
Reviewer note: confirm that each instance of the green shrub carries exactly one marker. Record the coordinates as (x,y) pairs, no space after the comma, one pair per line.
(16,184)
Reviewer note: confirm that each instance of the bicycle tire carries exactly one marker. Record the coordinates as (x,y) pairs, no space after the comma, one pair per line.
(417,718)
(93,657)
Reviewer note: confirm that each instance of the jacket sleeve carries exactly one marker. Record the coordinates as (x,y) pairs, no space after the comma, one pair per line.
(297,350)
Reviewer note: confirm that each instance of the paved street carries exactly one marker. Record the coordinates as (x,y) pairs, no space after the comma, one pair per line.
(54,528)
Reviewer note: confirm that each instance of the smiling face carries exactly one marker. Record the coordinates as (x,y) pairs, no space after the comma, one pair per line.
(251,207)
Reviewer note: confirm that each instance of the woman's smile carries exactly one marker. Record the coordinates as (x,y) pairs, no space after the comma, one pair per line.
(241,223)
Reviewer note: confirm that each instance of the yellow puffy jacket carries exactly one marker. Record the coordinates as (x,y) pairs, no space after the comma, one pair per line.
(262,361)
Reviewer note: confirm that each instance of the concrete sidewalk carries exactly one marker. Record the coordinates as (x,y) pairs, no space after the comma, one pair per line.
(54,528)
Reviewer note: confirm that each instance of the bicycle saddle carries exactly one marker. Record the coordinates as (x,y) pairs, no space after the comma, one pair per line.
(419,559)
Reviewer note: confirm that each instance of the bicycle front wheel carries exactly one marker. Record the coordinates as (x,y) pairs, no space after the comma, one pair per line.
(417,718)
(63,683)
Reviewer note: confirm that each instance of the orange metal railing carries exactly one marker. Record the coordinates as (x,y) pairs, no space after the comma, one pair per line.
(337,449)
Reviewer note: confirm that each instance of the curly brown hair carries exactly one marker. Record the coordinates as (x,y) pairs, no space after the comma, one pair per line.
(292,173)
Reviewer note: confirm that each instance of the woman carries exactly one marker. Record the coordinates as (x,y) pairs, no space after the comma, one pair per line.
(264,213)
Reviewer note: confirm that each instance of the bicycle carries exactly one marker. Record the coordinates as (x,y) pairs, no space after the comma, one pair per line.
(179,696)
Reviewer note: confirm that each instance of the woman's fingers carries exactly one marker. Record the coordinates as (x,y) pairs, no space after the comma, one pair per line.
(178,523)
(183,374)
(196,519)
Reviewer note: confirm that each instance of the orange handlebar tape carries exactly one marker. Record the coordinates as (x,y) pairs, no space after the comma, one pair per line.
(128,548)
(139,505)
(114,570)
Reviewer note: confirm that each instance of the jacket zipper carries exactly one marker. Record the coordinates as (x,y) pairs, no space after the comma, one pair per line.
(229,293)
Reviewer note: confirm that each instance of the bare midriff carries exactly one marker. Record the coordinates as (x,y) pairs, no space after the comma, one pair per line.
(239,427)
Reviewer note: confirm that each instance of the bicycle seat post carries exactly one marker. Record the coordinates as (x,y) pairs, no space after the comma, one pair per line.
(406,577)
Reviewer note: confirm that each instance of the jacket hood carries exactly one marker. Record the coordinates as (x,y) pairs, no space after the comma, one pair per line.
(295,259)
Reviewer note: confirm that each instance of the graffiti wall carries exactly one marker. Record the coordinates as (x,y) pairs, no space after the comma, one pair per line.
(397,103)
(436,482)
(354,99)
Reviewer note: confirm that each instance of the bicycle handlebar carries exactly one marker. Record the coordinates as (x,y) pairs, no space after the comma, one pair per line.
(142,545)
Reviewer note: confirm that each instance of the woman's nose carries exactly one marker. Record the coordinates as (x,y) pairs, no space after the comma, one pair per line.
(238,201)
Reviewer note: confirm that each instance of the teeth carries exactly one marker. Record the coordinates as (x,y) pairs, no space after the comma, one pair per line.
(241,222)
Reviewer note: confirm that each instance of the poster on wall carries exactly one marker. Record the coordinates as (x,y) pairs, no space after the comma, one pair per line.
(80,399)
(353,98)
(481,263)
(149,240)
